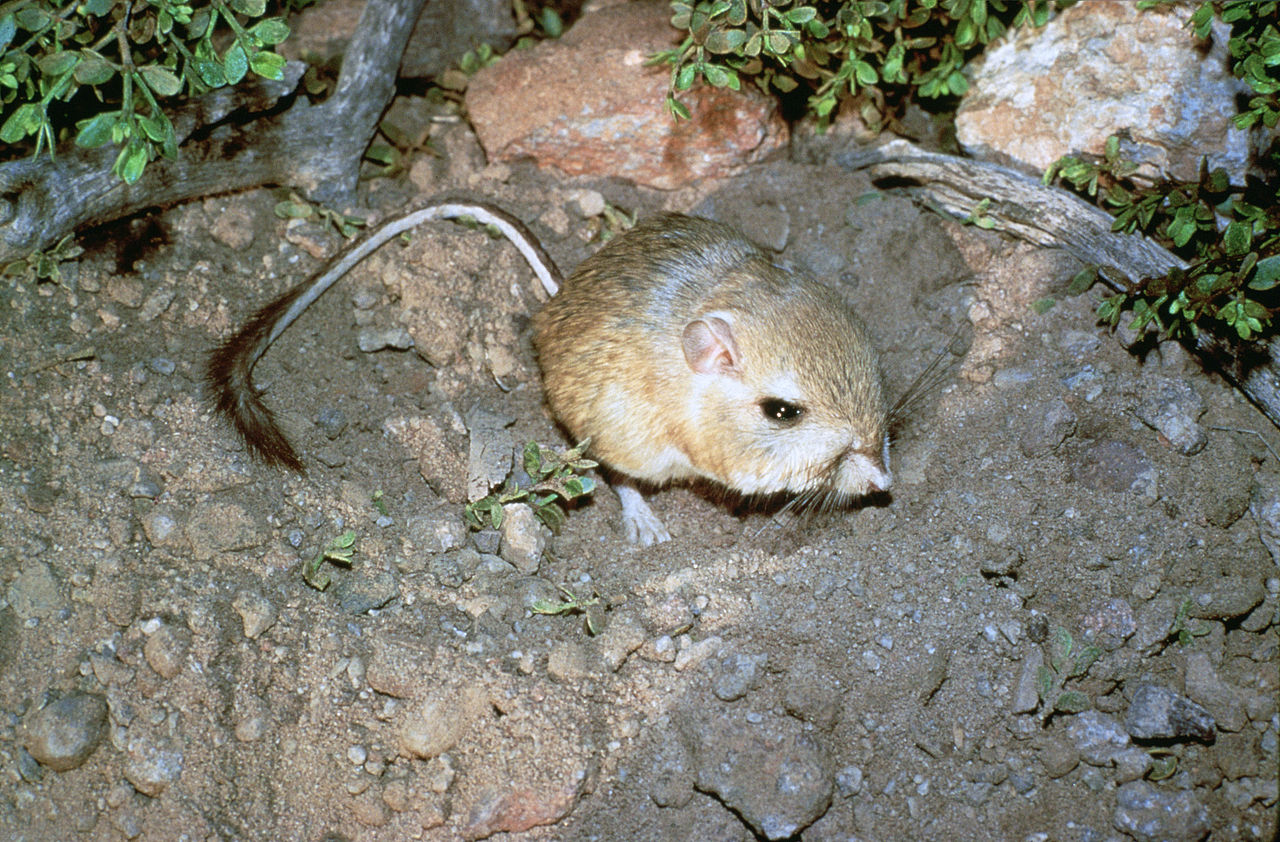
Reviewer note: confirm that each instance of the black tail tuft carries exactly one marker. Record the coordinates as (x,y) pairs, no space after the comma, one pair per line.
(228,378)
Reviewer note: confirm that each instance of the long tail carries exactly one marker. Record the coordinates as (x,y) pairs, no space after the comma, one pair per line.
(229,370)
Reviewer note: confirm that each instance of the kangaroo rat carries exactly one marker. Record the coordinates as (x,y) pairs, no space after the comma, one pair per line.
(679,348)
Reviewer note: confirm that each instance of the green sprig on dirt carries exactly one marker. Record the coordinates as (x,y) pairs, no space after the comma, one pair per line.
(876,54)
(338,551)
(554,478)
(1065,661)
(45,265)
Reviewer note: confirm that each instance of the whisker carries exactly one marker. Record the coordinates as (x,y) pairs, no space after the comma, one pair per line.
(926,383)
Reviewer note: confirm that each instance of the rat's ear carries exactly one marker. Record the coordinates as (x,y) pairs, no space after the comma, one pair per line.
(709,347)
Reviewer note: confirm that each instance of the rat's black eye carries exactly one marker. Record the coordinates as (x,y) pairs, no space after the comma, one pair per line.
(776,409)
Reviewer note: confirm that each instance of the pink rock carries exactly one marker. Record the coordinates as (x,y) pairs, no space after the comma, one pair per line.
(1098,68)
(518,810)
(587,105)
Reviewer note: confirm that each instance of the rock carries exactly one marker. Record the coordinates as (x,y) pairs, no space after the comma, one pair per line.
(849,781)
(1047,428)
(776,778)
(1098,68)
(166,650)
(1097,736)
(435,724)
(672,778)
(1149,814)
(1108,623)
(523,538)
(811,697)
(1223,701)
(439,454)
(623,635)
(222,528)
(539,103)
(567,662)
(34,593)
(9,638)
(490,448)
(1026,697)
(1225,598)
(1171,408)
(516,810)
(230,222)
(332,422)
(256,613)
(1132,763)
(63,734)
(1111,465)
(396,337)
(398,666)
(736,674)
(1154,623)
(1058,757)
(1159,713)
(1264,505)
(152,765)
(691,656)
(160,525)
(436,532)
(366,590)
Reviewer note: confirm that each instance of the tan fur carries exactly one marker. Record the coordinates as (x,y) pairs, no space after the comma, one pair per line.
(609,345)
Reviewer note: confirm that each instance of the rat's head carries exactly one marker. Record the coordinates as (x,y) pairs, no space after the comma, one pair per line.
(787,396)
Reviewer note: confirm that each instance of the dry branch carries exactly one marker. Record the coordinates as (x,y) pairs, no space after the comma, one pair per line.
(230,139)
(1054,218)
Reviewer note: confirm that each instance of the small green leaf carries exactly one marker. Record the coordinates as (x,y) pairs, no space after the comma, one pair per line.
(160,79)
(716,75)
(1060,645)
(8,28)
(1238,237)
(268,65)
(25,120)
(550,22)
(1044,682)
(131,161)
(252,8)
(93,69)
(1266,273)
(56,64)
(803,14)
(1043,305)
(725,41)
(210,72)
(270,31)
(684,79)
(96,131)
(1072,701)
(1163,767)
(235,64)
(156,127)
(1082,280)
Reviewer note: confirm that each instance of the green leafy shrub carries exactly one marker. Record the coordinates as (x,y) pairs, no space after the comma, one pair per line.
(105,67)
(1228,235)
(1230,238)
(880,54)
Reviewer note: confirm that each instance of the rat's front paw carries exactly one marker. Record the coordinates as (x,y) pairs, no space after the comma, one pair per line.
(643,527)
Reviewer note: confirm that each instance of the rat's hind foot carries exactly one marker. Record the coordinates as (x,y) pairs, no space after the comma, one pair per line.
(642,525)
